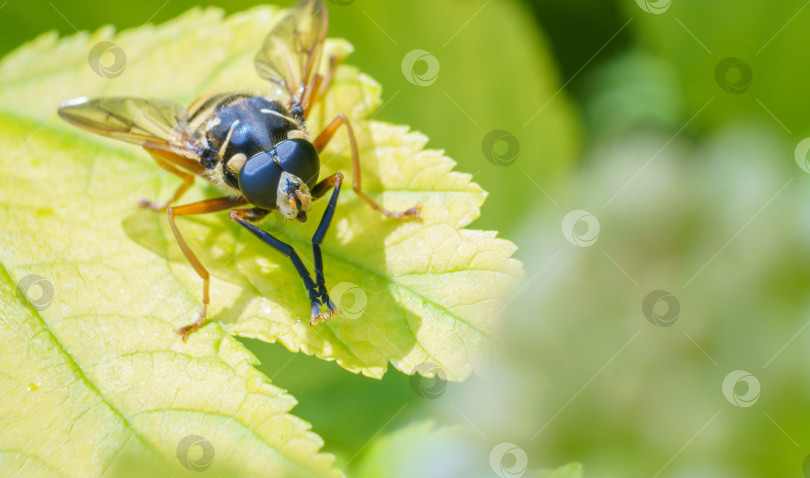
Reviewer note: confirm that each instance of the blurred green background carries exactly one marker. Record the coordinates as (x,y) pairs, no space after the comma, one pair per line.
(687,165)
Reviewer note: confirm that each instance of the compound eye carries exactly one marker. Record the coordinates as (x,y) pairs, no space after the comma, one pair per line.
(259,178)
(299,157)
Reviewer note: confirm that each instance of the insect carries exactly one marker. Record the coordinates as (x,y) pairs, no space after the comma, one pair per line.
(256,149)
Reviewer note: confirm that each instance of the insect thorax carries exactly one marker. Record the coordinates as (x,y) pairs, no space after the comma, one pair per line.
(242,126)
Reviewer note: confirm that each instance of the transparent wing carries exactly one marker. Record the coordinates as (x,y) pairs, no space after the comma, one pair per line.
(292,50)
(152,123)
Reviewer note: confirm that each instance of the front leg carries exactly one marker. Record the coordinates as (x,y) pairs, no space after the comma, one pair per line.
(333,181)
(242,216)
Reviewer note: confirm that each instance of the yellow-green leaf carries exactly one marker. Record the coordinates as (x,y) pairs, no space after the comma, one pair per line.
(85,385)
(433,290)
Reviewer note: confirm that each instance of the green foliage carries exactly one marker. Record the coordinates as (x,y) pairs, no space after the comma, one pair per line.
(496,72)
(573,470)
(769,38)
(420,449)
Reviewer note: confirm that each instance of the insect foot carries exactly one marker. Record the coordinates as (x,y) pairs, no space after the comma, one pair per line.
(325,300)
(147,204)
(412,213)
(186,331)
(316,316)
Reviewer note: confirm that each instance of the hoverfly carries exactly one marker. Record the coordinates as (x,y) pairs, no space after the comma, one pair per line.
(256,149)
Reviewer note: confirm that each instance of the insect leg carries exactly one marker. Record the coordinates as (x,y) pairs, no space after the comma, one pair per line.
(188,181)
(333,181)
(201,207)
(175,165)
(243,216)
(314,95)
(321,84)
(323,139)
